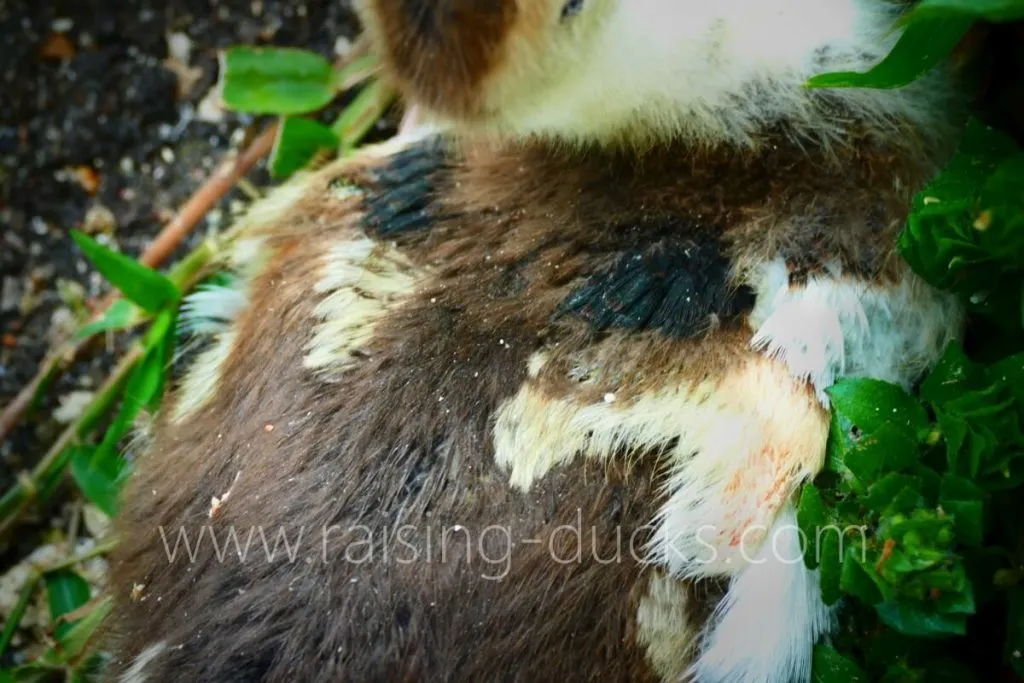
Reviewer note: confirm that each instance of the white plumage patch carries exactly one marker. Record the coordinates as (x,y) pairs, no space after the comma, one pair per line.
(834,326)
(208,313)
(199,384)
(361,280)
(736,449)
(136,673)
(211,308)
(765,629)
(712,72)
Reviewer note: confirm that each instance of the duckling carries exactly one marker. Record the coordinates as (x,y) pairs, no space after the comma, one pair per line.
(526,394)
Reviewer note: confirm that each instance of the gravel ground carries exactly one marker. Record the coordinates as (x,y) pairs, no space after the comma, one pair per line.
(106,125)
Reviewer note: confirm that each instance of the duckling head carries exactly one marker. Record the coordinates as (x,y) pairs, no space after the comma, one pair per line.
(643,71)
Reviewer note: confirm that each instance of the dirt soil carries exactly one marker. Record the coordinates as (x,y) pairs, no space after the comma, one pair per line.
(106,125)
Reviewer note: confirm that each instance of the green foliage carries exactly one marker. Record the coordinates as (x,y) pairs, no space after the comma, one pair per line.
(964,232)
(276,80)
(989,10)
(66,592)
(829,665)
(931,31)
(139,284)
(289,82)
(905,503)
(925,542)
(100,470)
(923,45)
(298,141)
(121,315)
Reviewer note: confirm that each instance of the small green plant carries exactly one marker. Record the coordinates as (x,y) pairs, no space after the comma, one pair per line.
(913,524)
(290,83)
(285,82)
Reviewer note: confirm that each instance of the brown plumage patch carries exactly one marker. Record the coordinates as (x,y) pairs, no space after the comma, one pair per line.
(439,51)
(403,436)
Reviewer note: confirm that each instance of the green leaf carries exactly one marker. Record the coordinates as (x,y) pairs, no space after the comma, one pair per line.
(144,286)
(811,517)
(951,376)
(29,673)
(66,591)
(18,609)
(145,384)
(964,232)
(276,80)
(828,666)
(121,315)
(966,502)
(362,113)
(989,10)
(100,479)
(887,493)
(870,404)
(1010,373)
(875,429)
(919,620)
(859,580)
(871,455)
(830,562)
(922,47)
(80,635)
(298,141)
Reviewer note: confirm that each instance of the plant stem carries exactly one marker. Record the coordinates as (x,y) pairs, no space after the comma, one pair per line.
(20,607)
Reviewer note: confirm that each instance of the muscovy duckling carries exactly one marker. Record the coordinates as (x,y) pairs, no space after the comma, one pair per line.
(526,395)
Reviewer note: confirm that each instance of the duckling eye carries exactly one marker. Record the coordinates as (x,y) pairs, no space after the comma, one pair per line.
(572,8)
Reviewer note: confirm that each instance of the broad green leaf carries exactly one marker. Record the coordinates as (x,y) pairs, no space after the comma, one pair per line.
(830,562)
(828,666)
(870,403)
(100,480)
(923,46)
(812,516)
(875,429)
(121,315)
(276,80)
(966,502)
(883,493)
(1010,372)
(144,286)
(989,10)
(919,620)
(871,455)
(298,141)
(66,591)
(859,580)
(957,601)
(953,374)
(80,635)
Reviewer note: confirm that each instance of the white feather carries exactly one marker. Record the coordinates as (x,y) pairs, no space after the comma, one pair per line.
(834,326)
(765,629)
